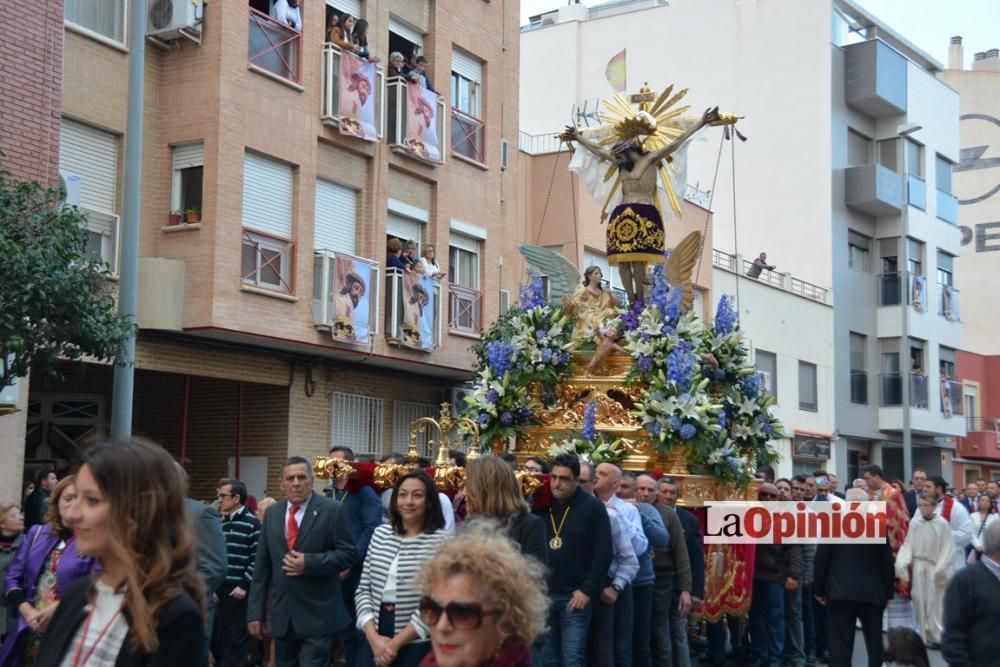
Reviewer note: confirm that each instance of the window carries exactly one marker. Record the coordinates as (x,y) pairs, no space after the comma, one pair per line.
(807,387)
(887,156)
(942,174)
(915,257)
(101,17)
(767,366)
(914,158)
(268,252)
(463,261)
(186,187)
(858,148)
(358,423)
(858,248)
(892,381)
(859,368)
(946,363)
(466,128)
(405,38)
(336,216)
(464,298)
(945,269)
(404,413)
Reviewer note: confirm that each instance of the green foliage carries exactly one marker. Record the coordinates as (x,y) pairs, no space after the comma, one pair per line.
(54,301)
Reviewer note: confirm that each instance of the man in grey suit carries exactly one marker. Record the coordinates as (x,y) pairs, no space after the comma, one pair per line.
(306,541)
(209,548)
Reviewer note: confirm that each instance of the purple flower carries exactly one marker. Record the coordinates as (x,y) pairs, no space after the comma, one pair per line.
(726,317)
(680,364)
(491,396)
(723,420)
(654,428)
(630,318)
(644,363)
(719,374)
(546,355)
(533,294)
(506,419)
(540,334)
(499,356)
(483,418)
(751,386)
(687,431)
(675,423)
(589,430)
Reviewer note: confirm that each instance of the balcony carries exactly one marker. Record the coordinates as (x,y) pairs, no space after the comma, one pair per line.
(982,438)
(468,136)
(768,277)
(334,310)
(405,304)
(419,137)
(331,89)
(916,192)
(859,387)
(890,288)
(947,207)
(723,260)
(891,390)
(873,189)
(875,78)
(465,310)
(948,303)
(783,281)
(951,398)
(274,48)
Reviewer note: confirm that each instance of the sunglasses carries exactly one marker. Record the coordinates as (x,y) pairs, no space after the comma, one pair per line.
(462,615)
(767,496)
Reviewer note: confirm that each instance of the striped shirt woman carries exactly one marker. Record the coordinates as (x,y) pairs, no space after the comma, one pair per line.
(388,599)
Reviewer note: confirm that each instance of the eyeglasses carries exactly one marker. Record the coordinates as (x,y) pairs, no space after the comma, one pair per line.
(462,615)
(767,496)
(225,495)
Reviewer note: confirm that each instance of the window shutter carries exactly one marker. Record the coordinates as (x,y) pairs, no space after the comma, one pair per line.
(267,196)
(352,7)
(463,242)
(189,155)
(92,154)
(406,31)
(467,65)
(402,228)
(336,217)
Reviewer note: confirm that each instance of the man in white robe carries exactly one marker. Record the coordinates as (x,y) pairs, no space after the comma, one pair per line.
(929,550)
(957,517)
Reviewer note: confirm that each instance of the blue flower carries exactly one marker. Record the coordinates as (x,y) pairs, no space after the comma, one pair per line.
(687,431)
(499,356)
(506,419)
(726,317)
(675,423)
(491,396)
(765,425)
(719,374)
(751,386)
(644,363)
(589,430)
(680,364)
(658,295)
(546,355)
(723,420)
(630,318)
(654,428)
(673,306)
(483,418)
(541,334)
(533,294)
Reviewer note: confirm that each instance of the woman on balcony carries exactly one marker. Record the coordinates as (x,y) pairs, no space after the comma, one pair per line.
(342,35)
(288,12)
(428,264)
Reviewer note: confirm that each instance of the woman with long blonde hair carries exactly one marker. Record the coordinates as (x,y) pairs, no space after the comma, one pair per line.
(146,606)
(492,492)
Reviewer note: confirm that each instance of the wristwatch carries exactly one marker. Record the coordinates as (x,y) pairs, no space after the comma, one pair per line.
(618,587)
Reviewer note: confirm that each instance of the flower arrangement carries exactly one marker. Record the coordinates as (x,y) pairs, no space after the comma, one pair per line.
(589,444)
(527,347)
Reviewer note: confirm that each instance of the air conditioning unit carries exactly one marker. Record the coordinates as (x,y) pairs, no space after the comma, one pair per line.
(69,184)
(457,399)
(171,19)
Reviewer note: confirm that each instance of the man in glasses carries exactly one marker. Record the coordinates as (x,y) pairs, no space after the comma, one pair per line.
(242,531)
(777,568)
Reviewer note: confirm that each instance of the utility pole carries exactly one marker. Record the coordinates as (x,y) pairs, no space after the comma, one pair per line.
(128,274)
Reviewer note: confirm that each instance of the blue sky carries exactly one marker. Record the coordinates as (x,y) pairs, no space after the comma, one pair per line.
(929,24)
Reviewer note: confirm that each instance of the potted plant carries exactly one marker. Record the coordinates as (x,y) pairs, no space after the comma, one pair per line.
(175,218)
(192,215)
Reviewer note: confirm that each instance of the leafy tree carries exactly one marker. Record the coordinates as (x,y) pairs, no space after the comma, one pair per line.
(54,299)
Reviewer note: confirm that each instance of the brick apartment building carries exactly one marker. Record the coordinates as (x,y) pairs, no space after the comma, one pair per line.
(236,367)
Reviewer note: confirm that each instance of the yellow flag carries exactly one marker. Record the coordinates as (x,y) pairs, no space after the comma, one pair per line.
(615,72)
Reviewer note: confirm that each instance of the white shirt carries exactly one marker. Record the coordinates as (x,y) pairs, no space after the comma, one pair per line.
(961,529)
(290,16)
(104,635)
(633,521)
(298,515)
(430,268)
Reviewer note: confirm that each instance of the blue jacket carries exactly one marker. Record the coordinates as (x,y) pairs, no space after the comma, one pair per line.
(658,538)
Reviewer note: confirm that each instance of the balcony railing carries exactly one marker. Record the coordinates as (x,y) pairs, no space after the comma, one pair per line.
(951,398)
(402,309)
(890,288)
(465,309)
(982,424)
(331,88)
(723,260)
(326,292)
(468,136)
(859,387)
(728,262)
(947,207)
(274,47)
(540,144)
(949,302)
(267,261)
(772,278)
(808,290)
(916,191)
(891,390)
(397,112)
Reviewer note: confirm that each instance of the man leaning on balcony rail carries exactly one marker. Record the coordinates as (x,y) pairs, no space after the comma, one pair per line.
(288,13)
(759,265)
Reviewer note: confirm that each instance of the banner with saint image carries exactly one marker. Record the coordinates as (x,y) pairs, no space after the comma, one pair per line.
(421,122)
(418,311)
(351,299)
(357,97)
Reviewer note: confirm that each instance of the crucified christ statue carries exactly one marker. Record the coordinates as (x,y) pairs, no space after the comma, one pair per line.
(635,230)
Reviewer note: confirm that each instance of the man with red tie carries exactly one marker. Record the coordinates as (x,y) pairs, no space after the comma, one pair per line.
(306,541)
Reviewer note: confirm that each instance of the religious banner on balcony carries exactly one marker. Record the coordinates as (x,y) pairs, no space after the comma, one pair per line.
(351,299)
(918,296)
(418,311)
(421,122)
(357,97)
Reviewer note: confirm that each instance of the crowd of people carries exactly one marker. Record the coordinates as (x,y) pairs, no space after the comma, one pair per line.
(402,255)
(125,569)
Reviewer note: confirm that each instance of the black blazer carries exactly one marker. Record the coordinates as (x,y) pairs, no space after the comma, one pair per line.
(696,550)
(854,572)
(180,629)
(311,604)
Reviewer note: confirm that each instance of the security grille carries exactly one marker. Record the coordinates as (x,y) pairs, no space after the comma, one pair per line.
(357,423)
(405,413)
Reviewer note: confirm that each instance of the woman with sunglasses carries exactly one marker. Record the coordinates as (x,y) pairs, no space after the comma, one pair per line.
(484,601)
(387,599)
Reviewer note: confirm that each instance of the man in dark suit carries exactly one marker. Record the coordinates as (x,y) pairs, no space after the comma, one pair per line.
(910,497)
(209,551)
(854,581)
(306,542)
(971,608)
